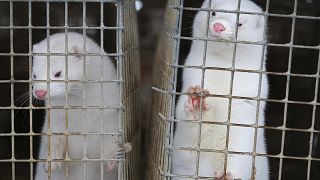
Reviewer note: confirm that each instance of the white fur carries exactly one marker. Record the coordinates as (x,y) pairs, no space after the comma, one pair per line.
(220,54)
(77,147)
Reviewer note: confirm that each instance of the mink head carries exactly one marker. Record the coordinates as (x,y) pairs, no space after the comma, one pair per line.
(227,25)
(63,64)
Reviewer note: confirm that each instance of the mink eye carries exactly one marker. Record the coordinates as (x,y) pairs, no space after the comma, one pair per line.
(213,13)
(240,24)
(58,74)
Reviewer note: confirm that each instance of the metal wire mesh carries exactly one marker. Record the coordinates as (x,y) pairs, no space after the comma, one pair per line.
(170,61)
(113,25)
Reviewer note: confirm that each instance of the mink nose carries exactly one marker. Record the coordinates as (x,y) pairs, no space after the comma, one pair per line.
(218,27)
(41,93)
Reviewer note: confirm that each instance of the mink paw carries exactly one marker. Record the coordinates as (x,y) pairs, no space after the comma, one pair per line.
(193,104)
(120,154)
(53,166)
(219,175)
(56,154)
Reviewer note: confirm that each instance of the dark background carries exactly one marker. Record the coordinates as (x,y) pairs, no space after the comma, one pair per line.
(302,89)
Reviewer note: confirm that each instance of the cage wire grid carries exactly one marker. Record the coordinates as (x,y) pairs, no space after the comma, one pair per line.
(127,68)
(165,92)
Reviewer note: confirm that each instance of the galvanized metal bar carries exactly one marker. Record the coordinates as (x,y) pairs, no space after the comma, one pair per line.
(66,51)
(120,76)
(49,138)
(314,109)
(231,88)
(30,90)
(12,94)
(287,87)
(199,120)
(258,113)
(102,104)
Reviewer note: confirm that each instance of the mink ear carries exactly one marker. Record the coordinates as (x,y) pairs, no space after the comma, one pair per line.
(206,3)
(76,51)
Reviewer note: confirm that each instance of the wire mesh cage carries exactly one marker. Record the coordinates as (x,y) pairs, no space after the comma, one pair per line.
(103,31)
(291,124)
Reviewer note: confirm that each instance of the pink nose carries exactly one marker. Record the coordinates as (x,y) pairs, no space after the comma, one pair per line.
(41,93)
(218,27)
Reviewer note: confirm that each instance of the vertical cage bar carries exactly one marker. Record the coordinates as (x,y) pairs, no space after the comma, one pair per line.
(11,93)
(174,88)
(66,25)
(30,89)
(287,86)
(203,68)
(312,128)
(102,102)
(49,132)
(84,33)
(231,88)
(119,48)
(262,68)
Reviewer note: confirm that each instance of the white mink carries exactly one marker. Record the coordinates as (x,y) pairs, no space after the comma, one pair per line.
(76,119)
(222,25)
